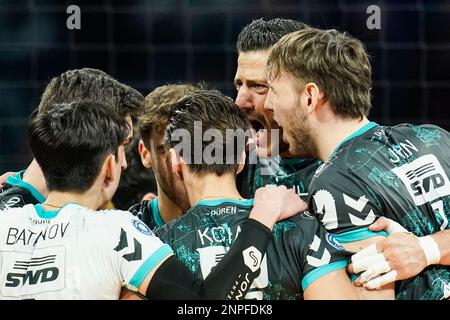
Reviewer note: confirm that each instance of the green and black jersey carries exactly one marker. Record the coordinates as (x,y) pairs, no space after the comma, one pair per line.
(16,193)
(148,212)
(301,252)
(293,173)
(400,172)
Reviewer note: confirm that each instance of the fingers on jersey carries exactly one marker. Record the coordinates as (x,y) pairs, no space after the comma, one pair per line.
(395,227)
(381,281)
(364,263)
(374,271)
(366,252)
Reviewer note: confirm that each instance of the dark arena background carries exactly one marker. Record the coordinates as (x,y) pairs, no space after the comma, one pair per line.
(149,43)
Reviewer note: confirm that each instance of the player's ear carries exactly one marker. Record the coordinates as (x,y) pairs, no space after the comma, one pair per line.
(145,155)
(176,163)
(314,96)
(108,172)
(241,164)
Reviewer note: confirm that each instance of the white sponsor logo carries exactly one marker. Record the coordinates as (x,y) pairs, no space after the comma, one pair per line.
(252,258)
(424,178)
(28,273)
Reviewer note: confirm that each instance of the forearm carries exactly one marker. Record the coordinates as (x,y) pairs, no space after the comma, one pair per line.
(230,279)
(442,239)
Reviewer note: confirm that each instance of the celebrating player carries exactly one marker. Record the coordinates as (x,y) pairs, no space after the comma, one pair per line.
(320,83)
(302,260)
(253,46)
(65,249)
(29,186)
(172,199)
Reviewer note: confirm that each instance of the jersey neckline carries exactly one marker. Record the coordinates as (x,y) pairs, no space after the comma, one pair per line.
(154,205)
(355,134)
(216,202)
(50,214)
(16,181)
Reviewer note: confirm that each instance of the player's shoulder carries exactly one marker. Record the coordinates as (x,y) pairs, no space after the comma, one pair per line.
(182,223)
(428,134)
(115,216)
(334,169)
(15,211)
(302,224)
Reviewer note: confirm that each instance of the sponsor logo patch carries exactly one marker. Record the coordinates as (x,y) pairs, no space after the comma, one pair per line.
(333,242)
(142,227)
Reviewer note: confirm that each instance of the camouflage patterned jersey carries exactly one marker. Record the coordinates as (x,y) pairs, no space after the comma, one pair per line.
(302,251)
(292,173)
(400,172)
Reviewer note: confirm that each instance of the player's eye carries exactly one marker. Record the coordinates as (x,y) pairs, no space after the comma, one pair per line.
(260,88)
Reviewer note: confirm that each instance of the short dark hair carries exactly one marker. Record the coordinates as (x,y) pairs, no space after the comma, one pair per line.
(263,34)
(71,141)
(92,85)
(214,111)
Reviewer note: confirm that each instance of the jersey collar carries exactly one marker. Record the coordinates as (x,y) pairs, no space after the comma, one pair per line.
(156,213)
(216,202)
(355,134)
(50,214)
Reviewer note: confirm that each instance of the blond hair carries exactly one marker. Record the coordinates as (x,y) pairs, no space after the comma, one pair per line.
(335,61)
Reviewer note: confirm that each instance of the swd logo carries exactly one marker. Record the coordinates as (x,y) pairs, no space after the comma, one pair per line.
(31,277)
(28,273)
(424,178)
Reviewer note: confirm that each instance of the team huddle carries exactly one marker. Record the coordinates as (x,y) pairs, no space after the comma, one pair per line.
(287,192)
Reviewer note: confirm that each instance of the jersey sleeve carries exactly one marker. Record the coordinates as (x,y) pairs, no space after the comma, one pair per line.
(138,251)
(319,251)
(345,205)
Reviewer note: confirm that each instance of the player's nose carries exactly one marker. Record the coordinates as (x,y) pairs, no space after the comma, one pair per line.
(244,99)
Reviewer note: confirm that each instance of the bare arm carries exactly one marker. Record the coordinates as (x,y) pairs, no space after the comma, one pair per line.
(336,285)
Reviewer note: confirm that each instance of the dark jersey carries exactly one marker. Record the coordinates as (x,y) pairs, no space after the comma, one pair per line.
(17,193)
(399,172)
(293,173)
(148,212)
(301,252)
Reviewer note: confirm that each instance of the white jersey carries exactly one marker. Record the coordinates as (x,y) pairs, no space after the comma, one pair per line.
(74,253)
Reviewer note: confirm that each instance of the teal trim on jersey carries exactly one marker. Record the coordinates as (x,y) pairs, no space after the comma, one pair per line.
(353,277)
(156,213)
(321,271)
(355,134)
(140,275)
(358,234)
(16,180)
(216,202)
(49,214)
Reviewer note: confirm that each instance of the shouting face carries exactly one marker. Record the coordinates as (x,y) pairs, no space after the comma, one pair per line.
(252,89)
